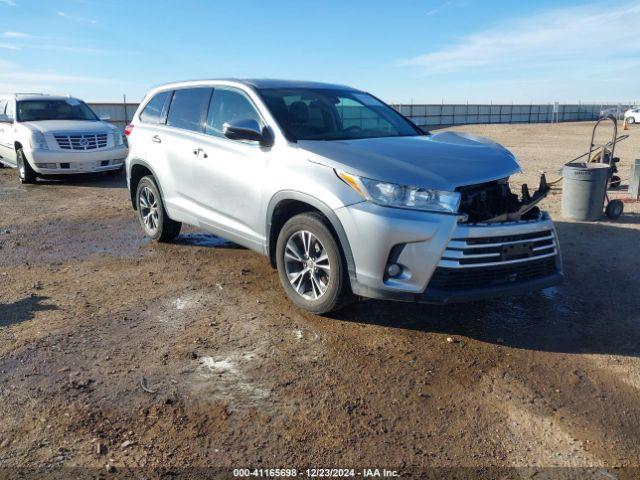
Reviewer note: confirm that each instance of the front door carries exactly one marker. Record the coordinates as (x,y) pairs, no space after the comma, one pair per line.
(229,174)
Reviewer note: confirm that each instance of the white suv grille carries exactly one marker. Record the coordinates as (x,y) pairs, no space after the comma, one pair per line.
(82,141)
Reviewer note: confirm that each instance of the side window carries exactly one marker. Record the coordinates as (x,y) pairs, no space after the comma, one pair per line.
(152,113)
(188,108)
(3,106)
(11,110)
(227,105)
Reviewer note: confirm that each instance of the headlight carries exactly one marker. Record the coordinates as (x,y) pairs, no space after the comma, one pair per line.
(38,142)
(118,138)
(403,196)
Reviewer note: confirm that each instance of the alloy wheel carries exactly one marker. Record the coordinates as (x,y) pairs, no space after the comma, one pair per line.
(307,265)
(149,210)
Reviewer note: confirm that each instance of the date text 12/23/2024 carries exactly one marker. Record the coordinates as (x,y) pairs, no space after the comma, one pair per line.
(315,472)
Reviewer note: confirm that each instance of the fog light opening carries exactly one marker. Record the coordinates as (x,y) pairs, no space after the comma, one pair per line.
(394,270)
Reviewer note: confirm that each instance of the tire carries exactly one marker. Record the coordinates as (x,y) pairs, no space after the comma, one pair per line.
(27,174)
(614,209)
(311,264)
(631,120)
(151,212)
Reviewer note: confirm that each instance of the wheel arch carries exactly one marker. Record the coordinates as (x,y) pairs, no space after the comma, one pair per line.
(139,169)
(288,203)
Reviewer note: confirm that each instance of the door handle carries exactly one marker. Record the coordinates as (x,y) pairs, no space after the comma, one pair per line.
(199,151)
(156,139)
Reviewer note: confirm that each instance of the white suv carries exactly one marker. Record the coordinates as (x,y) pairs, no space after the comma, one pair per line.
(47,135)
(632,115)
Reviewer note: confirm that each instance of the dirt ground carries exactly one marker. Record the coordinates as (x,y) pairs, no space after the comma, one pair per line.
(541,386)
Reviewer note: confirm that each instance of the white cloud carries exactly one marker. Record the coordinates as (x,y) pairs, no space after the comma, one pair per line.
(63,48)
(10,3)
(438,9)
(75,18)
(17,78)
(16,35)
(44,78)
(576,36)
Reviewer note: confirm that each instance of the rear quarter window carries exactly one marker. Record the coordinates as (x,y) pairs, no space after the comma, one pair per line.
(155,109)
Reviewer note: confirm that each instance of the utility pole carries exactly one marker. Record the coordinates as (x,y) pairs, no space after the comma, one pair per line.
(126,114)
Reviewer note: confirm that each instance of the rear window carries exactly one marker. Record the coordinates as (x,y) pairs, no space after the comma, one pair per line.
(153,112)
(188,108)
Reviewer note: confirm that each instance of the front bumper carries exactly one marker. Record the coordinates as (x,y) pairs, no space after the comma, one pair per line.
(444,261)
(53,162)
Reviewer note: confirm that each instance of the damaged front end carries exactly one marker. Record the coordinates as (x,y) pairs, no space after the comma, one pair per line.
(494,201)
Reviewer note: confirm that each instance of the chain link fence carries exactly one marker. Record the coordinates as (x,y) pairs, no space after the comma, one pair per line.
(444,115)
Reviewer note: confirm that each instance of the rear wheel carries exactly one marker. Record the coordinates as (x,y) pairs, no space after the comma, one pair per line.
(153,218)
(631,120)
(27,174)
(311,266)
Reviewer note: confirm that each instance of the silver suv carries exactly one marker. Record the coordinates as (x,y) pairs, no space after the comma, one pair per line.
(344,195)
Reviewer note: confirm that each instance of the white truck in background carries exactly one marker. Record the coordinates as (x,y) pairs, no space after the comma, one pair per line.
(45,135)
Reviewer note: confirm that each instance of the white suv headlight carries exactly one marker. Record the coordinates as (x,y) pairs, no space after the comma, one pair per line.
(38,142)
(403,196)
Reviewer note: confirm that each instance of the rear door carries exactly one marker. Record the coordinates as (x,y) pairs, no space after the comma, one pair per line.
(182,139)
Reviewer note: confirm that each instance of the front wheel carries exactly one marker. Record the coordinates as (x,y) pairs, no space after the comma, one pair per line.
(631,120)
(153,218)
(27,174)
(311,266)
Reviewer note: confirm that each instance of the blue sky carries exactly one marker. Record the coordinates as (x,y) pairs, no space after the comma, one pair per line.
(402,51)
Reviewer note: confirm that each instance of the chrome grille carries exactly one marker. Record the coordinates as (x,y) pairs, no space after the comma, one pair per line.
(500,250)
(82,141)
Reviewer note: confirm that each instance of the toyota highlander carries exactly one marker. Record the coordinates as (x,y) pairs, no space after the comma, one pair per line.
(346,197)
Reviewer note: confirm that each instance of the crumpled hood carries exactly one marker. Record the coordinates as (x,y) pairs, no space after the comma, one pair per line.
(70,126)
(443,160)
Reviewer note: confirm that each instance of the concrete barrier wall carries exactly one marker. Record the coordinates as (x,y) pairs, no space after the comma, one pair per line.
(433,116)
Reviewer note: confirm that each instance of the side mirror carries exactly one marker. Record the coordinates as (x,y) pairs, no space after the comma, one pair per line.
(248,129)
(5,119)
(105,118)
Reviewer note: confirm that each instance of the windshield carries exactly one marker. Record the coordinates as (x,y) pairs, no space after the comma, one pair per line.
(71,109)
(333,114)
